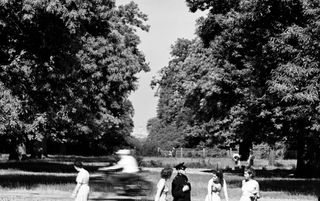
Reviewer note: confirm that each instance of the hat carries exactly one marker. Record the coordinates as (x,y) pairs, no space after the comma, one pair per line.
(180,166)
(123,152)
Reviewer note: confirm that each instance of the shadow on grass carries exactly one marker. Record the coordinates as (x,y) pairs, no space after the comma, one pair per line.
(292,186)
(280,180)
(44,166)
(30,181)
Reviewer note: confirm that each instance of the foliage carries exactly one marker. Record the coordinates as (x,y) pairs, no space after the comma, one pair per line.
(253,77)
(72,65)
(161,136)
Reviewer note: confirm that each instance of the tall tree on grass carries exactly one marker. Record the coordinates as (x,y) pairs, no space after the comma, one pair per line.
(294,87)
(267,50)
(230,87)
(72,65)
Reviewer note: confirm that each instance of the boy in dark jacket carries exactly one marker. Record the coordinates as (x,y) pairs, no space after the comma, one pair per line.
(181,187)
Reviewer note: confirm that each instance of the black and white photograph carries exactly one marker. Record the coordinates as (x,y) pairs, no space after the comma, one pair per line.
(160,100)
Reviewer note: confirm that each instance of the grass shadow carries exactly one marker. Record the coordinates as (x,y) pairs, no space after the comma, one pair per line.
(279,180)
(292,186)
(45,166)
(30,181)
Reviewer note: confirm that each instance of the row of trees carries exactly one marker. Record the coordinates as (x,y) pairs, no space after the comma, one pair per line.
(252,75)
(66,71)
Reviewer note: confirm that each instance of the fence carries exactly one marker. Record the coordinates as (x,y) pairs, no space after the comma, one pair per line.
(193,153)
(258,152)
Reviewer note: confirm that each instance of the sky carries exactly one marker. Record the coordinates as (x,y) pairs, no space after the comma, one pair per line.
(168,20)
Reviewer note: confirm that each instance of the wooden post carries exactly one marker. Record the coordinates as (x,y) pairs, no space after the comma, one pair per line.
(181,153)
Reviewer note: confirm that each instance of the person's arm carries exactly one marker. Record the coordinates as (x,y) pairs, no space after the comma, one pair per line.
(75,191)
(160,188)
(257,190)
(118,165)
(114,167)
(225,191)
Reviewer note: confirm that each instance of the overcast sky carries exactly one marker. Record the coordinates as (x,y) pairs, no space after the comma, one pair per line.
(169,20)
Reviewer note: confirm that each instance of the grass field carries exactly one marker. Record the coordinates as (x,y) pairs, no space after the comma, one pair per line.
(38,180)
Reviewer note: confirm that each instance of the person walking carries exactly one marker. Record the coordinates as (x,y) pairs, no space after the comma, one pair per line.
(162,186)
(181,187)
(250,187)
(250,160)
(81,191)
(215,185)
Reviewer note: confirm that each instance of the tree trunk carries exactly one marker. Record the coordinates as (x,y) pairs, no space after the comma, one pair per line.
(37,149)
(301,165)
(62,148)
(244,149)
(45,146)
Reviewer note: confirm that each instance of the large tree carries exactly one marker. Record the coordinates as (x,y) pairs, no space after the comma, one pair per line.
(254,78)
(72,65)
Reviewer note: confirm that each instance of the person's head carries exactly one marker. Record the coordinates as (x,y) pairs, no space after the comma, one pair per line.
(77,165)
(166,173)
(181,168)
(217,176)
(248,173)
(123,152)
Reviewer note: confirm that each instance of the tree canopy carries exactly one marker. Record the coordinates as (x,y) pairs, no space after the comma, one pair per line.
(251,77)
(71,66)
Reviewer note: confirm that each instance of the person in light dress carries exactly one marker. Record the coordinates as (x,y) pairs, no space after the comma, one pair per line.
(81,191)
(162,186)
(250,187)
(215,185)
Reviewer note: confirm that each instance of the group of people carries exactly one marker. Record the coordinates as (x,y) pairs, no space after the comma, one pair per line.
(181,187)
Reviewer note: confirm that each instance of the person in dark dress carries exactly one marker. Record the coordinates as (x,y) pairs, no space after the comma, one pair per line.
(181,187)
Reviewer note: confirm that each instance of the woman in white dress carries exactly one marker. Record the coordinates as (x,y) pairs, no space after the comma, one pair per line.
(81,191)
(162,186)
(215,185)
(250,187)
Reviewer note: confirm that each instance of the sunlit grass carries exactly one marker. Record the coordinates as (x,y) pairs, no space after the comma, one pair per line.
(294,190)
(54,184)
(271,188)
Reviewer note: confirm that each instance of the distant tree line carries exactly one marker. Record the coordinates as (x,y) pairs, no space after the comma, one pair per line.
(251,76)
(66,71)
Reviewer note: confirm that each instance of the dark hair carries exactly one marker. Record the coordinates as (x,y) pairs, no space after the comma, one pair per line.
(250,171)
(219,175)
(166,172)
(78,164)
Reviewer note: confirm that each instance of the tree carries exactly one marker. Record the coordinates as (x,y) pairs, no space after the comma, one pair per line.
(294,85)
(254,79)
(267,50)
(72,64)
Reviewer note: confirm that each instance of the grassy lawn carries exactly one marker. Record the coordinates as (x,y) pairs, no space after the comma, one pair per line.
(55,181)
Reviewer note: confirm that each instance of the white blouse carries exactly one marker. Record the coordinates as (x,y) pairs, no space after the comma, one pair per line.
(83,177)
(249,188)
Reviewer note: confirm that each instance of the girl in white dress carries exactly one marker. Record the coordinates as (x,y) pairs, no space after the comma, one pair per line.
(162,186)
(250,187)
(215,185)
(81,191)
